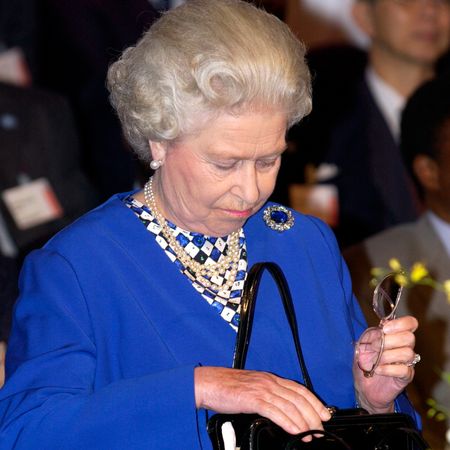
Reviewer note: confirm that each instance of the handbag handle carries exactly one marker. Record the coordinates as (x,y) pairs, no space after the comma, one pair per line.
(297,444)
(248,302)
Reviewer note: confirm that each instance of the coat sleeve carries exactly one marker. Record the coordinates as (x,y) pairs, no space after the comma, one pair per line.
(402,403)
(355,316)
(50,400)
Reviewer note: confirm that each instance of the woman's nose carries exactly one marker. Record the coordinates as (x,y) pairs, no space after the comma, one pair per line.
(247,182)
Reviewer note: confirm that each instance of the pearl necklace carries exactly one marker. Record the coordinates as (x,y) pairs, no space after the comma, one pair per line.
(203,272)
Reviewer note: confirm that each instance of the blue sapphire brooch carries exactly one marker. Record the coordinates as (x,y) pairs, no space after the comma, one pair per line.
(278,218)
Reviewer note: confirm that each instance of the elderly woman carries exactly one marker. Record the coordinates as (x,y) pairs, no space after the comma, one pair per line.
(124,331)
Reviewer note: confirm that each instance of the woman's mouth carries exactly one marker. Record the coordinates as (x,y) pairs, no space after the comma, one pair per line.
(242,214)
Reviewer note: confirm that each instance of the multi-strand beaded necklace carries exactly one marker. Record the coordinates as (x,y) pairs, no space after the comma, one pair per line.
(204,273)
(216,267)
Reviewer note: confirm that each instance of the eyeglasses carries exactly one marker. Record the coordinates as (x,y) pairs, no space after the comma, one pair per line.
(370,345)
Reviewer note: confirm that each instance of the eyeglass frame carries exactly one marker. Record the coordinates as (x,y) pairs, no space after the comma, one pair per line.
(370,373)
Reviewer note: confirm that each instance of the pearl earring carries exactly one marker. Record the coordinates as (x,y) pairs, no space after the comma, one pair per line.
(155,164)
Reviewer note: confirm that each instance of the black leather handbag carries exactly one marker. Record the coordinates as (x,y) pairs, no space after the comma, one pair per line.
(348,429)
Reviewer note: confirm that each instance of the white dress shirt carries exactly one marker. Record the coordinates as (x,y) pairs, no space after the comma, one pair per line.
(388,100)
(442,229)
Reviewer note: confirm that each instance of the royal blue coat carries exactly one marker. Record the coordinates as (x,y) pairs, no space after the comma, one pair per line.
(107,333)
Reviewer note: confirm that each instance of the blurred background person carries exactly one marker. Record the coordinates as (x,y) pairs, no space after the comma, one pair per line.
(42,186)
(425,145)
(77,43)
(352,136)
(334,17)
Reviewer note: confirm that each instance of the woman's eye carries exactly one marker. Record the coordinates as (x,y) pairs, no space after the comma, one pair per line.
(266,164)
(224,167)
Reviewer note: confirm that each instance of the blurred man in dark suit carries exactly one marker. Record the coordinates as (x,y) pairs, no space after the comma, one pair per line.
(41,184)
(353,139)
(425,145)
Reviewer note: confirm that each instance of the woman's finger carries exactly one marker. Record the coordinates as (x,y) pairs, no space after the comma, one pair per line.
(403,355)
(301,390)
(405,323)
(291,417)
(400,372)
(399,340)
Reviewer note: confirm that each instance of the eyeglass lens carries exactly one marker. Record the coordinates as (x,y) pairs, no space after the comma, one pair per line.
(370,346)
(369,349)
(385,297)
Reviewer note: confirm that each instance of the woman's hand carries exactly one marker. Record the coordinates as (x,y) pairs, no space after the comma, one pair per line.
(393,374)
(287,403)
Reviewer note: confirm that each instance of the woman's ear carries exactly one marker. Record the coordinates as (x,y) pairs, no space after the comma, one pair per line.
(158,150)
(426,170)
(362,13)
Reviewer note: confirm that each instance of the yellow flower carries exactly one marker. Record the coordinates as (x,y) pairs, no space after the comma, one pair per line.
(401,279)
(377,272)
(395,265)
(446,286)
(418,272)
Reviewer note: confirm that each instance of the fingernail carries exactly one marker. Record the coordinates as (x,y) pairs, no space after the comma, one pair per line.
(325,414)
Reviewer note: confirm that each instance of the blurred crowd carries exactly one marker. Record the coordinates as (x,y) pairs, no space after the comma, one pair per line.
(372,160)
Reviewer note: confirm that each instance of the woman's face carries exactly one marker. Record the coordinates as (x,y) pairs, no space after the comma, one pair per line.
(211,182)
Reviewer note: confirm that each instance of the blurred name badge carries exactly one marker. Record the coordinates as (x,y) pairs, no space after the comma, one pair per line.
(32,203)
(320,200)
